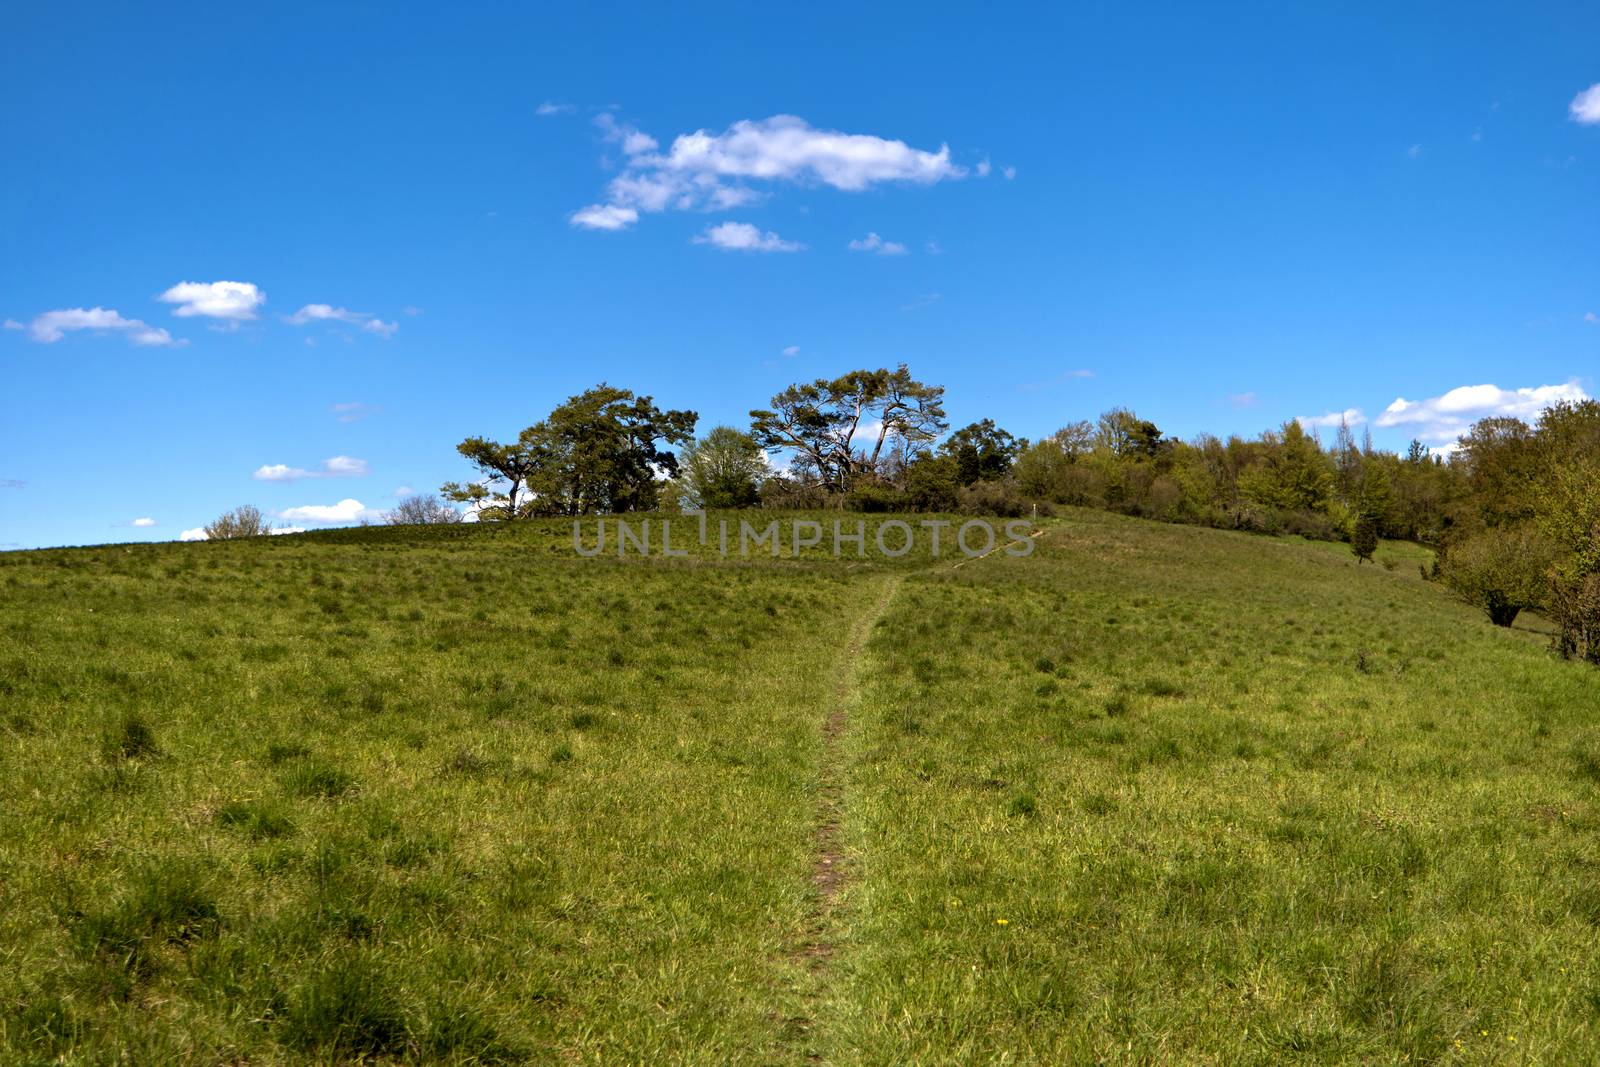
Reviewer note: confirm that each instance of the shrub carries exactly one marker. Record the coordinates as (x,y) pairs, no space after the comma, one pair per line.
(1501,570)
(1364,538)
(244,521)
(991,498)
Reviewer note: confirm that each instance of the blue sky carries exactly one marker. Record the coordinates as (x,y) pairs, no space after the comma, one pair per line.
(1222,217)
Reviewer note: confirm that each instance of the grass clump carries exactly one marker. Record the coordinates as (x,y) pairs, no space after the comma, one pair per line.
(348,1008)
(132,738)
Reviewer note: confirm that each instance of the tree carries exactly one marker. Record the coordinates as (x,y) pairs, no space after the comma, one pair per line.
(603,451)
(982,451)
(1502,570)
(1126,435)
(819,422)
(724,469)
(499,464)
(422,509)
(600,451)
(243,521)
(1293,473)
(1364,537)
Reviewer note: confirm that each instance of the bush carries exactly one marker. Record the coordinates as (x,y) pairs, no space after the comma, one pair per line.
(1502,570)
(991,498)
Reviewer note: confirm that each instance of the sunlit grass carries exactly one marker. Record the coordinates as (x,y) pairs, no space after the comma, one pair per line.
(1151,794)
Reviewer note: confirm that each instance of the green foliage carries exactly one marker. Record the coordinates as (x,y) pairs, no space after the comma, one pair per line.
(981,451)
(1502,570)
(596,453)
(1364,537)
(820,421)
(724,469)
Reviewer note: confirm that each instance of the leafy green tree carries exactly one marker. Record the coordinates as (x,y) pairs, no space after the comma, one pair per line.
(1293,474)
(603,451)
(600,451)
(1500,457)
(982,451)
(724,469)
(1502,570)
(1125,435)
(931,483)
(503,473)
(820,422)
(1566,500)
(1364,537)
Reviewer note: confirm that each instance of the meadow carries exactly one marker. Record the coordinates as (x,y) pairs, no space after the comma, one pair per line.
(1151,794)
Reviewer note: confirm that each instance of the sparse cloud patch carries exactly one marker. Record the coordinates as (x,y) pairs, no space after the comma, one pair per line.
(353,411)
(743,237)
(791,351)
(1244,400)
(359,319)
(1348,417)
(1585,107)
(335,467)
(51,326)
(877,245)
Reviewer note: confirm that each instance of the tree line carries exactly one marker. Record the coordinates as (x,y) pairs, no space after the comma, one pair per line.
(1513,514)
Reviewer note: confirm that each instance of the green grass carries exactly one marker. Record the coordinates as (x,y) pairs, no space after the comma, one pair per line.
(1153,794)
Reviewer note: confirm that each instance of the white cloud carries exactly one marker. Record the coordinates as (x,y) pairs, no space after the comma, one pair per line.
(13,324)
(633,141)
(143,522)
(1010,173)
(983,168)
(328,313)
(1590,317)
(347,511)
(196,534)
(1444,418)
(276,530)
(873,243)
(336,467)
(704,171)
(792,350)
(1349,416)
(550,107)
(743,237)
(604,217)
(1585,107)
(52,326)
(230,301)
(1414,152)
(1244,400)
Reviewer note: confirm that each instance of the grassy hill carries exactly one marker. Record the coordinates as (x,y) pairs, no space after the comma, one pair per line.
(1153,793)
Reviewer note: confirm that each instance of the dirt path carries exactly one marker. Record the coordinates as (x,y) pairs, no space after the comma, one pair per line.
(829,870)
